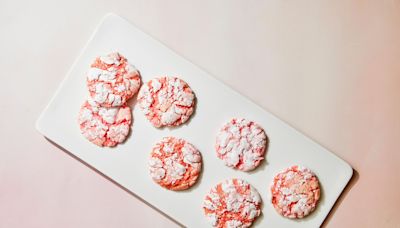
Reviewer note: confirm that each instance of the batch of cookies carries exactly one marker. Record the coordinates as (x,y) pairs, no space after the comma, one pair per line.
(174,163)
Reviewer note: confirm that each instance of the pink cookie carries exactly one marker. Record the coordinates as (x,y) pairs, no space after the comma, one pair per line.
(241,144)
(112,80)
(295,192)
(104,126)
(175,164)
(232,203)
(166,101)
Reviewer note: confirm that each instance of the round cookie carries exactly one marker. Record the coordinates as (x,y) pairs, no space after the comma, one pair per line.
(175,164)
(295,192)
(241,144)
(111,80)
(232,203)
(166,101)
(104,126)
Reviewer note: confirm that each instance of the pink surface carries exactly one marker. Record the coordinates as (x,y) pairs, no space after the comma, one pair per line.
(330,69)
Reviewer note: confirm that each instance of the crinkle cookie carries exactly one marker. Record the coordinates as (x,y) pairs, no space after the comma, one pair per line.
(241,144)
(104,126)
(166,101)
(111,80)
(295,192)
(232,203)
(175,164)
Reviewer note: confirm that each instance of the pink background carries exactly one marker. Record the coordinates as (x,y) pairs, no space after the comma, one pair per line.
(330,69)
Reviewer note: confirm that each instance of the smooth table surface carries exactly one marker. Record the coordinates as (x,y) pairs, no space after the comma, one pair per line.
(329,69)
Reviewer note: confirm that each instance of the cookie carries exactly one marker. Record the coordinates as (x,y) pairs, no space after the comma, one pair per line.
(111,80)
(232,203)
(295,192)
(166,101)
(104,126)
(175,164)
(241,144)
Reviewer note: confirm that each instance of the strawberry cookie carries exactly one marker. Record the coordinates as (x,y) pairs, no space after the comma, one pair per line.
(175,164)
(295,192)
(241,144)
(111,80)
(104,126)
(232,203)
(166,101)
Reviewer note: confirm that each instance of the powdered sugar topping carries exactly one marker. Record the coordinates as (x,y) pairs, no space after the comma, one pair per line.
(166,101)
(232,203)
(112,80)
(174,163)
(295,192)
(241,144)
(104,126)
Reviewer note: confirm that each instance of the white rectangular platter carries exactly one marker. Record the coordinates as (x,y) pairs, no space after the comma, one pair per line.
(216,103)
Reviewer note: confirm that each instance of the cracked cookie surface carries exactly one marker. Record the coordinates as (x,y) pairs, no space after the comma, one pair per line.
(111,80)
(166,101)
(295,192)
(241,144)
(232,203)
(175,164)
(104,126)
